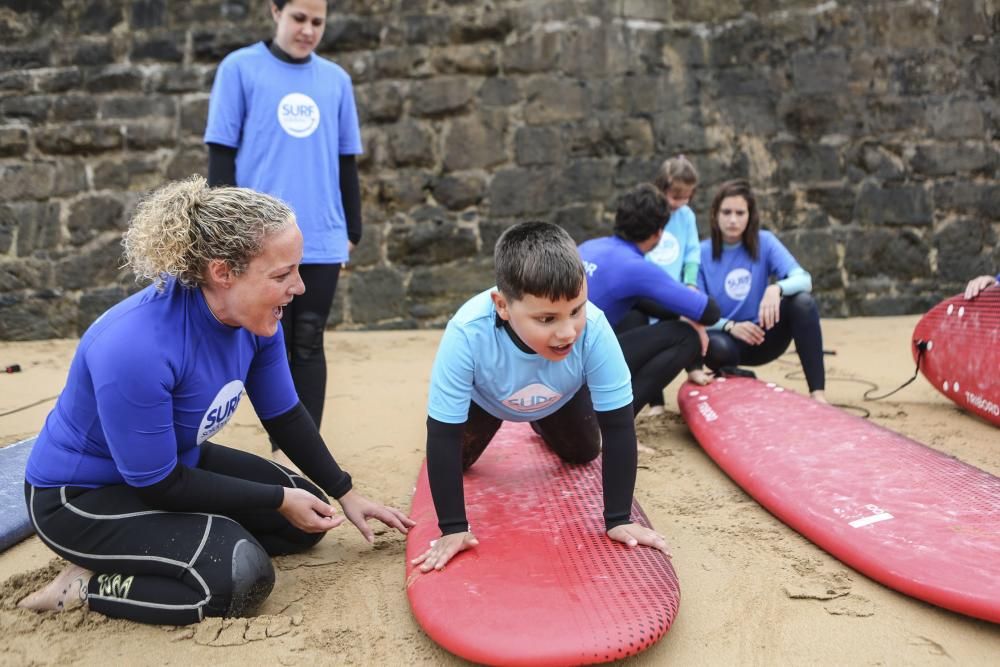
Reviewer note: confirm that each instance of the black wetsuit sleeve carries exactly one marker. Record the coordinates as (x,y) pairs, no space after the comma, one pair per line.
(444,472)
(297,435)
(193,489)
(619,460)
(350,195)
(653,308)
(711,314)
(221,165)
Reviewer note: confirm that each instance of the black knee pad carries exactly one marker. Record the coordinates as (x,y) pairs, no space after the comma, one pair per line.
(307,339)
(253,578)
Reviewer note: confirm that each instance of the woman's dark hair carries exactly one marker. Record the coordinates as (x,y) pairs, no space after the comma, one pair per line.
(751,235)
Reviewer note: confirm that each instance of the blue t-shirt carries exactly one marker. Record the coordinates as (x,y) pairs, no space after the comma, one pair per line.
(678,245)
(478,361)
(154,377)
(618,276)
(737,282)
(290,123)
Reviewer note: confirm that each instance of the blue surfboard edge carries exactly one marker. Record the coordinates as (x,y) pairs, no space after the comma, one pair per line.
(14,523)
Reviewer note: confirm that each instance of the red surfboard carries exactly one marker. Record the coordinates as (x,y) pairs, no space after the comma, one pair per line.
(961,351)
(545,586)
(905,515)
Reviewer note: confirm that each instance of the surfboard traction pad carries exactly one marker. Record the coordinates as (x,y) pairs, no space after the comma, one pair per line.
(14,523)
(545,586)
(962,359)
(908,516)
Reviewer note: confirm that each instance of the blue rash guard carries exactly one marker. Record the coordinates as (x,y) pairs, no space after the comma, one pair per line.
(152,379)
(618,276)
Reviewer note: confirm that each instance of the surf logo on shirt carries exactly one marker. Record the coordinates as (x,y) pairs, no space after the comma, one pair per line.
(738,284)
(532,398)
(667,251)
(220,411)
(298,115)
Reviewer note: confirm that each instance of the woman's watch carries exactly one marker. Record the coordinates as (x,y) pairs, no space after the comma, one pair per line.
(728,326)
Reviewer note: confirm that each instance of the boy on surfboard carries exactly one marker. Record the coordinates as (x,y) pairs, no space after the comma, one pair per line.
(531,349)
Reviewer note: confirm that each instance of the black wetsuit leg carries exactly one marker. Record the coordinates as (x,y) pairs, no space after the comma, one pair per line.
(798,321)
(572,431)
(655,354)
(303,324)
(174,568)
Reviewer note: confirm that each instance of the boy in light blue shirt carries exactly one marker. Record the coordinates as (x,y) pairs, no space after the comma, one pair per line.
(531,349)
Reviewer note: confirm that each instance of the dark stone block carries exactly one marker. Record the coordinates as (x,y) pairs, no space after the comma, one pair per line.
(480,59)
(214,45)
(476,141)
(804,162)
(837,201)
(17,82)
(404,188)
(38,227)
(13,141)
(36,316)
(430,242)
(881,252)
(584,222)
(194,115)
(369,251)
(499,92)
(459,191)
(517,192)
(878,161)
(149,134)
(27,180)
(87,137)
(183,80)
(438,291)
(91,216)
(351,33)
(538,51)
(148,13)
(138,173)
(74,107)
(439,97)
(24,273)
(113,78)
(961,20)
(100,16)
(959,118)
(401,63)
(33,108)
(816,252)
(376,295)
(538,146)
(424,29)
(632,171)
(552,100)
(96,265)
(31,57)
(962,250)
(410,144)
(952,159)
(871,298)
(489,232)
(164,48)
(138,106)
(816,114)
(490,24)
(970,198)
(822,72)
(379,102)
(586,181)
(187,162)
(8,223)
(893,205)
(95,302)
(89,53)
(58,80)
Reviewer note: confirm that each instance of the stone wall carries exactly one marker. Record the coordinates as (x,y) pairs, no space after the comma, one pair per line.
(870,128)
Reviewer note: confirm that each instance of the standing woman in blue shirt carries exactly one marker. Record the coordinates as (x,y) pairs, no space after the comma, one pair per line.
(282,120)
(760,318)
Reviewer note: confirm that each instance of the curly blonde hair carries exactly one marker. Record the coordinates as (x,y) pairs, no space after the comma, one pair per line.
(181,227)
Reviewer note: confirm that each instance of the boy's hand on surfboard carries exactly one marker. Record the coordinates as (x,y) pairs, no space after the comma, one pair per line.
(359,509)
(748,332)
(977,285)
(443,549)
(770,307)
(633,535)
(307,512)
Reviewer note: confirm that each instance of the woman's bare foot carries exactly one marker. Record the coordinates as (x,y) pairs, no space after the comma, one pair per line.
(700,377)
(67,591)
(820,397)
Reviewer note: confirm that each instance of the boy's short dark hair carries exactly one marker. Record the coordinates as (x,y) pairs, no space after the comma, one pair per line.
(642,211)
(540,259)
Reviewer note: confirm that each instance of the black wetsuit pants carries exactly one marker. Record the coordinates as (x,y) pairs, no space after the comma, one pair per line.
(655,354)
(303,324)
(173,568)
(798,321)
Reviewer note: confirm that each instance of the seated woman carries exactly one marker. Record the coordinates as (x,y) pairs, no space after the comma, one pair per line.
(977,285)
(760,318)
(160,524)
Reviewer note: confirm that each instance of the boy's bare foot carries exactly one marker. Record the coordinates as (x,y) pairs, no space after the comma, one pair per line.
(700,377)
(282,459)
(820,397)
(643,448)
(67,591)
(653,410)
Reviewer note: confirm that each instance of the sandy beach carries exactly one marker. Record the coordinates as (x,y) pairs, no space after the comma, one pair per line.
(754,592)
